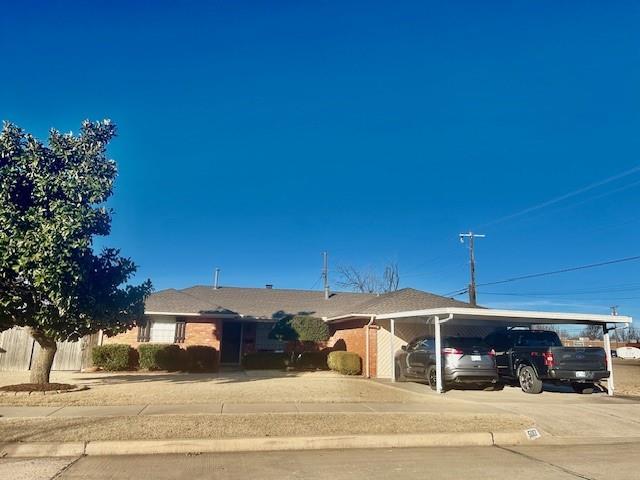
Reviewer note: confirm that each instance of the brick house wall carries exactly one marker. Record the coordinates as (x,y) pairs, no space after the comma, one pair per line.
(203,333)
(130,337)
(197,332)
(353,335)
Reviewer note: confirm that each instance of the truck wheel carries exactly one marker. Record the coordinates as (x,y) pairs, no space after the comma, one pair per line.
(529,381)
(583,388)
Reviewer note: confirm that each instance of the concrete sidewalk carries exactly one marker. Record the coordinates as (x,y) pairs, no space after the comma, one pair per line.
(242,408)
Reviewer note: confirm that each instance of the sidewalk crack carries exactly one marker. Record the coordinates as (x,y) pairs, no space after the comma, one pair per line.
(55,411)
(553,465)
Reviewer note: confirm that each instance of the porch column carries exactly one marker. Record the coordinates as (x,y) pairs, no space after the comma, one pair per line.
(436,327)
(392,350)
(607,351)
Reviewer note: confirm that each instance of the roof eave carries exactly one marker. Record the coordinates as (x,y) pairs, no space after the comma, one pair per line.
(501,315)
(349,316)
(192,314)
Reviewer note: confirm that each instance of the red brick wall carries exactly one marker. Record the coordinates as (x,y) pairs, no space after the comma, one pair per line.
(353,334)
(129,337)
(196,333)
(203,333)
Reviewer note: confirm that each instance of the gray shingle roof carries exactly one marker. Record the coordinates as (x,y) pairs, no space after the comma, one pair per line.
(254,302)
(270,303)
(406,299)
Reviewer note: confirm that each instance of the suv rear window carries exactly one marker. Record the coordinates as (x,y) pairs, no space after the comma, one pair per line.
(465,342)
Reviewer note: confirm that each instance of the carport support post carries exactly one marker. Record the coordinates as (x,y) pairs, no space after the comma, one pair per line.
(607,351)
(436,327)
(393,353)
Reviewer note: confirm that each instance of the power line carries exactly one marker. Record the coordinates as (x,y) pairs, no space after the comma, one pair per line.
(456,293)
(564,270)
(603,299)
(563,197)
(628,287)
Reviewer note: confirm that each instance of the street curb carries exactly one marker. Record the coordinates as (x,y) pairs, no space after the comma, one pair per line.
(288,443)
(339,442)
(42,449)
(142,447)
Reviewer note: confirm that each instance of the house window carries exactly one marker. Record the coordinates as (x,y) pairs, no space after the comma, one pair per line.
(163,331)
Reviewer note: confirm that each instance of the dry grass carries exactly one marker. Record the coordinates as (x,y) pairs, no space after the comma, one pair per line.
(236,387)
(250,425)
(627,377)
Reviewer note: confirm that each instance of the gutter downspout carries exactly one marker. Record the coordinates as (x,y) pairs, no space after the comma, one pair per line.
(367,332)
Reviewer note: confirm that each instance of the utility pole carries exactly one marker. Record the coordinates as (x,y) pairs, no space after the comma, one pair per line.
(325,274)
(216,277)
(472,265)
(614,313)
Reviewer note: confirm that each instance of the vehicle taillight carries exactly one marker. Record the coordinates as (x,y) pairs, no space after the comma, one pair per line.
(451,351)
(548,359)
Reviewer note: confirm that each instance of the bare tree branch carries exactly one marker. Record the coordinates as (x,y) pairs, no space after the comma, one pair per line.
(367,281)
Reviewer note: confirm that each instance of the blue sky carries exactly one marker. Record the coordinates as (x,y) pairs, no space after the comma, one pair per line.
(255,135)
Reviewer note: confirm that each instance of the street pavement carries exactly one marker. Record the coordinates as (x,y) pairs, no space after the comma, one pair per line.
(591,462)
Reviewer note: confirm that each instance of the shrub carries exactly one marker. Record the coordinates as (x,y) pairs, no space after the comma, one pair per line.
(301,328)
(201,358)
(265,361)
(114,357)
(347,363)
(312,360)
(161,356)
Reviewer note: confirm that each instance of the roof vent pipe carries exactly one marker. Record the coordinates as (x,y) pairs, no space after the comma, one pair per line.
(216,277)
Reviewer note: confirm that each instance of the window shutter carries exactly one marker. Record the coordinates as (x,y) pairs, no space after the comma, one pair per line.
(144,331)
(180,331)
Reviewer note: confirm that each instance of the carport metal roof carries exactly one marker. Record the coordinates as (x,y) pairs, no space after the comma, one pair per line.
(515,317)
(488,316)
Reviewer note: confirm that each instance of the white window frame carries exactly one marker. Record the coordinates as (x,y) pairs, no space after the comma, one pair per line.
(163,331)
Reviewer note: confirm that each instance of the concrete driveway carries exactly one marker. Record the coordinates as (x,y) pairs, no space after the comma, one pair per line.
(558,412)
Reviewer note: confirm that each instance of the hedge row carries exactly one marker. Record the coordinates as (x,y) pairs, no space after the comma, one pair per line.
(155,356)
(115,357)
(347,363)
(266,361)
(201,358)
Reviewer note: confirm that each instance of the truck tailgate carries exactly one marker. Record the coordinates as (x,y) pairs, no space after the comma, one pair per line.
(579,358)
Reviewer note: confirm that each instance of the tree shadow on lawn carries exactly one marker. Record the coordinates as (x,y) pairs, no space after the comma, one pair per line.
(186,378)
(42,431)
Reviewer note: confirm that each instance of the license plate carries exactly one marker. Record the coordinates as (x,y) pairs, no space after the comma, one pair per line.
(476,358)
(581,374)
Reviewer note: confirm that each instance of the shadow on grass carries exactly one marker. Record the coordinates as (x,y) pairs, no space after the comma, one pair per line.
(38,431)
(188,378)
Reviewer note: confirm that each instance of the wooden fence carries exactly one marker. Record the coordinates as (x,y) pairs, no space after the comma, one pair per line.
(18,350)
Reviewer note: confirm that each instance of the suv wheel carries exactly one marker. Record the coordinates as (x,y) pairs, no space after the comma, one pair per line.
(529,381)
(432,378)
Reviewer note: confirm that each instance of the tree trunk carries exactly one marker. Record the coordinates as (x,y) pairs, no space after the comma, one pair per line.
(41,366)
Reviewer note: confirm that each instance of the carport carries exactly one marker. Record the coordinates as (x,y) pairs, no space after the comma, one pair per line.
(438,318)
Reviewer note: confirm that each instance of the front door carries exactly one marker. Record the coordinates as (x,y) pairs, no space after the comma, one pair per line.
(230,344)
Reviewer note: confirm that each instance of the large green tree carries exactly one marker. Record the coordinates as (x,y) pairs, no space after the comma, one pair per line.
(52,205)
